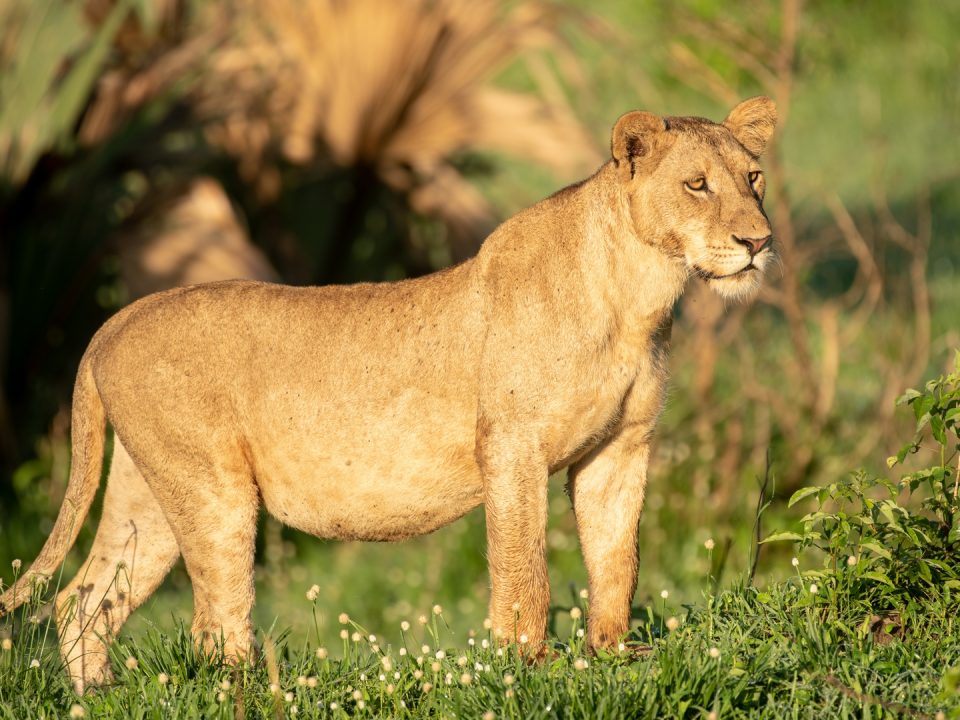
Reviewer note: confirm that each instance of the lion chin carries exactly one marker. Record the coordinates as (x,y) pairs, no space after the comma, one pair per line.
(741,287)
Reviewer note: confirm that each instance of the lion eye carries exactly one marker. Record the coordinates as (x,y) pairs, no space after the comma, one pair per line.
(753,176)
(697,185)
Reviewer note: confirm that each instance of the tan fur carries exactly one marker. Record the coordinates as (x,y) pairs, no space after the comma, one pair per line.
(380,412)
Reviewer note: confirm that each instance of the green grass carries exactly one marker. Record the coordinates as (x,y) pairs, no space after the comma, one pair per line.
(778,653)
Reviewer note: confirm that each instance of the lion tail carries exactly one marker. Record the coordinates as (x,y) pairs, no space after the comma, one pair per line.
(88,434)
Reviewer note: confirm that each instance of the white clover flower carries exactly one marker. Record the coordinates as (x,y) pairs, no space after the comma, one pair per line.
(508,679)
(435,666)
(6,644)
(343,618)
(576,613)
(664,594)
(375,648)
(499,652)
(372,638)
(221,696)
(714,652)
(795,562)
(288,696)
(448,678)
(294,710)
(621,647)
(417,674)
(390,689)
(425,649)
(16,566)
(356,637)
(489,715)
(478,666)
(580,664)
(422,619)
(357,695)
(387,663)
(396,675)
(462,661)
(334,705)
(440,655)
(437,610)
(708,544)
(584,594)
(312,681)
(344,634)
(274,689)
(404,626)
(509,693)
(313,593)
(302,680)
(523,639)
(466,678)
(382,677)
(402,652)
(131,663)
(672,623)
(361,704)
(852,560)
(471,642)
(487,623)
(77,711)
(322,652)
(163,678)
(515,607)
(814,589)
(579,632)
(426,687)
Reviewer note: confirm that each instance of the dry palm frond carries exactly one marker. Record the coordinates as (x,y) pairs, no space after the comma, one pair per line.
(398,87)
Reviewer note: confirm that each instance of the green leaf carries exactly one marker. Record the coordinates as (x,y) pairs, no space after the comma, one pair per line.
(908,396)
(878,577)
(876,548)
(781,536)
(801,494)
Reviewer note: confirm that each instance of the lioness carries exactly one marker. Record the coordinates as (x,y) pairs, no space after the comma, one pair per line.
(385,411)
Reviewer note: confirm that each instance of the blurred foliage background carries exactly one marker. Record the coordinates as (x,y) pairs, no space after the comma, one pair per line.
(150,143)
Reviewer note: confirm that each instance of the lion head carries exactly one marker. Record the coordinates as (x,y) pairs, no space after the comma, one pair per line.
(695,190)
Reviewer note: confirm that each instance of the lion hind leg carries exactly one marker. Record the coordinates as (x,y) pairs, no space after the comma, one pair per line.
(132,552)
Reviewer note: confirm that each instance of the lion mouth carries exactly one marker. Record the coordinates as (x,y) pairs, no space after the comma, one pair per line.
(707,275)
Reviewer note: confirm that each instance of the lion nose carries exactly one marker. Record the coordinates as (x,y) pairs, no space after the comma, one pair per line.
(753,245)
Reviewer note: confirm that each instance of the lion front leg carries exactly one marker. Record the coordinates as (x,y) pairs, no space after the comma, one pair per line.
(515,498)
(607,488)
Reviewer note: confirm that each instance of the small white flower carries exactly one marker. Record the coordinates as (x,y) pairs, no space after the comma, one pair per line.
(795,562)
(312,681)
(426,687)
(288,696)
(664,594)
(621,647)
(466,678)
(584,594)
(576,613)
(448,679)
(852,560)
(163,678)
(672,623)
(435,666)
(221,696)
(462,661)
(417,674)
(356,636)
(390,689)
(509,693)
(322,652)
(302,681)
(523,639)
(515,607)
(294,710)
(422,619)
(814,589)
(344,634)
(343,618)
(372,638)
(471,642)
(580,664)
(382,677)
(396,675)
(387,663)
(357,695)
(714,652)
(425,649)
(313,593)
(508,679)
(440,655)
(131,663)
(274,689)
(487,623)
(402,652)
(34,663)
(333,705)
(712,715)
(708,543)
(579,632)
(77,711)
(489,715)
(16,566)
(437,610)
(6,644)
(478,666)
(404,626)
(485,644)
(499,652)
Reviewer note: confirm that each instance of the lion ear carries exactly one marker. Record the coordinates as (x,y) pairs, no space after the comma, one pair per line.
(635,141)
(752,122)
